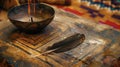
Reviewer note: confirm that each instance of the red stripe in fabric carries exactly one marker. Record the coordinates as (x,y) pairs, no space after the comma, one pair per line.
(113,24)
(73,11)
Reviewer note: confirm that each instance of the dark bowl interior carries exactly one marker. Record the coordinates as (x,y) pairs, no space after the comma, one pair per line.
(42,15)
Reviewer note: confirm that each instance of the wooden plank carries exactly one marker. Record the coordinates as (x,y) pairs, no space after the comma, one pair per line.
(27,49)
(51,61)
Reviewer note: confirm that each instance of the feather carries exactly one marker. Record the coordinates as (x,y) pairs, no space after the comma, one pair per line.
(66,44)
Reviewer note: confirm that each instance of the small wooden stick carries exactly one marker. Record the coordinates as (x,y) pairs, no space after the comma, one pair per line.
(31,19)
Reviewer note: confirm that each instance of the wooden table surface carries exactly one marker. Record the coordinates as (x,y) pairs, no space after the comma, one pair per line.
(24,50)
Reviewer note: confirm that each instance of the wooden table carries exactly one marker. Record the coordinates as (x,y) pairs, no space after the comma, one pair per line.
(24,50)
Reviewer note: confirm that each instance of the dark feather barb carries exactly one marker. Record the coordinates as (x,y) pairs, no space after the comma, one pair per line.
(66,44)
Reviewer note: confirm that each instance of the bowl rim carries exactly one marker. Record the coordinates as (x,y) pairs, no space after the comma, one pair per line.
(52,16)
